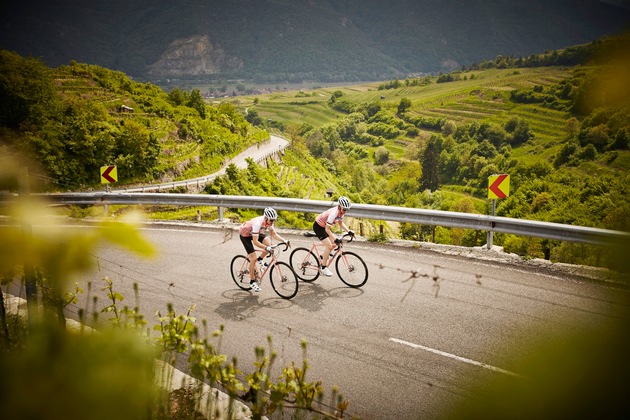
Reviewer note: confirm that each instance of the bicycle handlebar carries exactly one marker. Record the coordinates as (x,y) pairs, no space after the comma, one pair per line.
(286,245)
(346,235)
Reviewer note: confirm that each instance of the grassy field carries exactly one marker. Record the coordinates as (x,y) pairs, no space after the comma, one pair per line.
(483,96)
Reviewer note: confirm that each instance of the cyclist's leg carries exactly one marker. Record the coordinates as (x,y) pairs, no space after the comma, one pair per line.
(327,250)
(325,240)
(264,239)
(251,254)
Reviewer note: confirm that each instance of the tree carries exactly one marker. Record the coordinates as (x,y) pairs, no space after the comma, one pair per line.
(253,118)
(176,97)
(572,126)
(196,102)
(597,136)
(430,161)
(565,154)
(449,128)
(26,89)
(519,129)
(485,149)
(404,105)
(495,135)
(335,95)
(372,108)
(381,155)
(621,140)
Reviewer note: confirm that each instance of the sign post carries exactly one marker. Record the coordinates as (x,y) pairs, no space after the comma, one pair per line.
(498,187)
(109,174)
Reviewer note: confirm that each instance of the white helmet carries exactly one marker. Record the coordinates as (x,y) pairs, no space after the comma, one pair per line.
(344,202)
(270,213)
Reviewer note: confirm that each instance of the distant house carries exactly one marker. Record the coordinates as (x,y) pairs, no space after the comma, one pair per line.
(125,108)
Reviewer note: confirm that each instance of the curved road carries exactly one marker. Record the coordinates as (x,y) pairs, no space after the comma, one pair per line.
(405,346)
(256,152)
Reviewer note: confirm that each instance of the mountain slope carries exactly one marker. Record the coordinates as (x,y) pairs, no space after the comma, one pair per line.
(278,40)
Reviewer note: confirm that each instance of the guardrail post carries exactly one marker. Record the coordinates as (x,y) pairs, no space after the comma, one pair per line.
(220,214)
(489,234)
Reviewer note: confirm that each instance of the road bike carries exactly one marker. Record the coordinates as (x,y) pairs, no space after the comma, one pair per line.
(281,276)
(350,268)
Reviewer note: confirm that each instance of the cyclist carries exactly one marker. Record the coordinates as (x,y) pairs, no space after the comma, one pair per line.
(252,235)
(322,225)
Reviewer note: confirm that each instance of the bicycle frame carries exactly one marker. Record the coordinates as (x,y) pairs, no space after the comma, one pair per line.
(350,267)
(281,276)
(336,252)
(272,262)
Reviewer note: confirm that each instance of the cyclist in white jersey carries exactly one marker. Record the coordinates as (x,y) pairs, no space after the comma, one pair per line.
(322,225)
(252,235)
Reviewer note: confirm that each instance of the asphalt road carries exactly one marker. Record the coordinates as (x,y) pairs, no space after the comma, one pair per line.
(423,334)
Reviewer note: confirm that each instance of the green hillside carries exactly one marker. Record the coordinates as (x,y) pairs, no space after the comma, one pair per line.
(561,133)
(482,96)
(74,119)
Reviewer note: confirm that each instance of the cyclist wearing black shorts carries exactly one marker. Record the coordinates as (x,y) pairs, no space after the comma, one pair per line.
(253,236)
(324,222)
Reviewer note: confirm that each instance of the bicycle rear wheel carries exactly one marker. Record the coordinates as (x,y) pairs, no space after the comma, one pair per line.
(351,269)
(283,280)
(239,268)
(305,264)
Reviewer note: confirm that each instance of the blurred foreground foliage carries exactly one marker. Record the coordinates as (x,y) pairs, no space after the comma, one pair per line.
(48,371)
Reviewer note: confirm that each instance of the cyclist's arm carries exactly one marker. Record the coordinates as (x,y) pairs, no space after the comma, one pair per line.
(275,235)
(256,242)
(330,233)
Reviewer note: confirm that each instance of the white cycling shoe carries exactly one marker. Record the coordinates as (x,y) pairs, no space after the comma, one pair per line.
(326,272)
(255,286)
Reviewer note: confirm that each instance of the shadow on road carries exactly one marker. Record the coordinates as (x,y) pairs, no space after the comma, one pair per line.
(241,304)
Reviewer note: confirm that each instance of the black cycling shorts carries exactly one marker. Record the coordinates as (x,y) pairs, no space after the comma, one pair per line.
(319,231)
(248,242)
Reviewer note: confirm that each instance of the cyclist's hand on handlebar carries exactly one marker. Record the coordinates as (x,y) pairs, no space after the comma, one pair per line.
(268,249)
(338,241)
(351,232)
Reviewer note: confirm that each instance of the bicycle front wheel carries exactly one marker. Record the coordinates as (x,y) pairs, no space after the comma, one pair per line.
(283,280)
(305,264)
(239,268)
(351,269)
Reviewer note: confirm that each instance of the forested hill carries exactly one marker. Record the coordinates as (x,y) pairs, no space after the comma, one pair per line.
(562,133)
(295,40)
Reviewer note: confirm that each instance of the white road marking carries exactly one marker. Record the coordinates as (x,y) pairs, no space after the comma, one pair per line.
(453,356)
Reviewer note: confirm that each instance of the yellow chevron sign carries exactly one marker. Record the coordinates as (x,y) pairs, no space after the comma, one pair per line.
(498,186)
(109,174)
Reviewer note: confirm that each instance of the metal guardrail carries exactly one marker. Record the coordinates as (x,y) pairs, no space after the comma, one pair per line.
(486,223)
